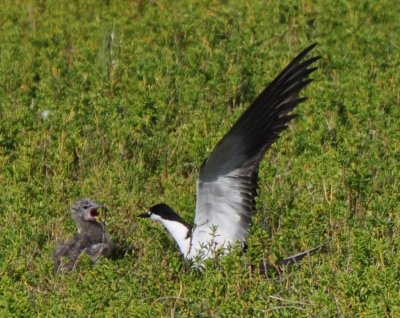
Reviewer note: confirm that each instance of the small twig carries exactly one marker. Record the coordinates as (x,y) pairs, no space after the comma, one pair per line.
(103,238)
(168,297)
(176,301)
(285,307)
(329,200)
(291,301)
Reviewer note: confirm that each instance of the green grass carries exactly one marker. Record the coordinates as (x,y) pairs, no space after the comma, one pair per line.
(138,93)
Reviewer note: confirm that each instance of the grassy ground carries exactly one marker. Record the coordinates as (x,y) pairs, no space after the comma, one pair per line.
(123,100)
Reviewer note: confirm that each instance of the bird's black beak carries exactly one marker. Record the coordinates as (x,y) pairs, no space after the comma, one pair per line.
(144,215)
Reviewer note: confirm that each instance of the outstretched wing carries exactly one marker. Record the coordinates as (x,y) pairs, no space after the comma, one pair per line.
(227,185)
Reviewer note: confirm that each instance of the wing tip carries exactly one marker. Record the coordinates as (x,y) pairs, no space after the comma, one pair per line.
(310,47)
(303,54)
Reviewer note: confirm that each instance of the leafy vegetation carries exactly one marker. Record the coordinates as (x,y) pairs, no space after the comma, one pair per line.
(123,100)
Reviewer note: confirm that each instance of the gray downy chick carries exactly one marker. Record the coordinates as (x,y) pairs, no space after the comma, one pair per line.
(91,238)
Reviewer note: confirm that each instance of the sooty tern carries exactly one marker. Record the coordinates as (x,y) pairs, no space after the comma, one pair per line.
(92,237)
(227,185)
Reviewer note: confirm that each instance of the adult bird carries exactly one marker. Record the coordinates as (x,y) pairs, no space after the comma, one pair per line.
(91,238)
(227,184)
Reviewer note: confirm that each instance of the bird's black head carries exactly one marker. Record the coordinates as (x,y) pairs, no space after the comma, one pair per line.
(161,210)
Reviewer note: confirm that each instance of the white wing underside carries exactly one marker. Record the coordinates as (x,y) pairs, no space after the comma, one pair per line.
(224,203)
(223,227)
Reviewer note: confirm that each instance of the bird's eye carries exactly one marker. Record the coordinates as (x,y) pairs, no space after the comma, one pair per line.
(85,207)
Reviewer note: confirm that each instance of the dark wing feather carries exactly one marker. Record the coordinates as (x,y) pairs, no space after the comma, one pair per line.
(227,183)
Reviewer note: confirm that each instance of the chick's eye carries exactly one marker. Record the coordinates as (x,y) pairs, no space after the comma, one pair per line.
(85,207)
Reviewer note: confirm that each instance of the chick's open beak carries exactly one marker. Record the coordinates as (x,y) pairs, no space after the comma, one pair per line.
(96,213)
(100,219)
